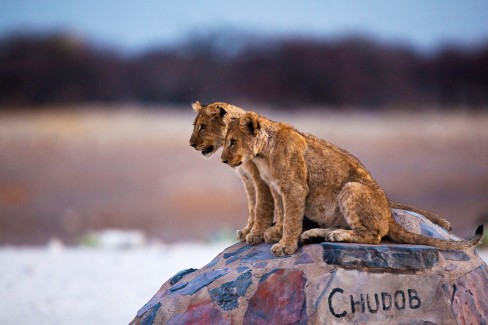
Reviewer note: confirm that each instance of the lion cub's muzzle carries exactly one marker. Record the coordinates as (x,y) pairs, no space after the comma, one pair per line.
(232,163)
(193,141)
(204,150)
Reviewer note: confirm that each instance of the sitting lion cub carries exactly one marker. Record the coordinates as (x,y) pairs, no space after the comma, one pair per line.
(309,176)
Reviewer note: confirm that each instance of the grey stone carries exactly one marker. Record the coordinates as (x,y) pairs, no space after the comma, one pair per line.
(227,294)
(400,257)
(189,288)
(214,262)
(180,275)
(260,265)
(150,304)
(267,274)
(178,286)
(152,314)
(232,259)
(455,255)
(242,269)
(263,254)
(241,249)
(427,228)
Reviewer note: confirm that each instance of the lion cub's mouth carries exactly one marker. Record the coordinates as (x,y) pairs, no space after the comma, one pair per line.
(234,165)
(207,150)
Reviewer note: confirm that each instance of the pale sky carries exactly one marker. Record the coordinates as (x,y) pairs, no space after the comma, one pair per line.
(135,25)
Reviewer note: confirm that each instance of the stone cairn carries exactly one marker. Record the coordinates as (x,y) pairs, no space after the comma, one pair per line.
(329,283)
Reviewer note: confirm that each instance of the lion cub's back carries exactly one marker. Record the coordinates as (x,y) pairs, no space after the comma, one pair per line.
(232,110)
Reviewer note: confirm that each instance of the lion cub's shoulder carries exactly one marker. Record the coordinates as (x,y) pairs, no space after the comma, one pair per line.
(270,127)
(277,137)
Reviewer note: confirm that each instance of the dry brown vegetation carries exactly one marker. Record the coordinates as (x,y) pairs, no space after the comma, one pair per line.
(66,172)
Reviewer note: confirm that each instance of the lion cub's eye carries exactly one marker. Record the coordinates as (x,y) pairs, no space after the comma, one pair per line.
(203,127)
(233,142)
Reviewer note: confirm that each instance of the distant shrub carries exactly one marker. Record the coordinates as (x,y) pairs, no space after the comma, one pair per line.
(40,69)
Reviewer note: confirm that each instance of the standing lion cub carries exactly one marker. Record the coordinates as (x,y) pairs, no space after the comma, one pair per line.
(209,130)
(309,176)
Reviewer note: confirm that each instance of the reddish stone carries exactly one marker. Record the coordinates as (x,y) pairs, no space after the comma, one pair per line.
(468,297)
(280,299)
(199,313)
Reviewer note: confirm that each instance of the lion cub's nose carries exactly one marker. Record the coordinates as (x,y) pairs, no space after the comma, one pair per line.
(193,144)
(225,161)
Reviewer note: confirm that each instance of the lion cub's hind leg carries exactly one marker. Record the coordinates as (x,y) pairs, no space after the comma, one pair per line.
(366,211)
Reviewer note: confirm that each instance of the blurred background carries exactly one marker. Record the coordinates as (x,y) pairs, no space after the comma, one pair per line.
(95,108)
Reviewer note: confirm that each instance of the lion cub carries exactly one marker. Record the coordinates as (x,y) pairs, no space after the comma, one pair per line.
(309,176)
(209,129)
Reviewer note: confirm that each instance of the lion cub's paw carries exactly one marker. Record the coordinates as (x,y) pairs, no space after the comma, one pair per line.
(280,249)
(254,238)
(339,235)
(241,235)
(273,234)
(312,236)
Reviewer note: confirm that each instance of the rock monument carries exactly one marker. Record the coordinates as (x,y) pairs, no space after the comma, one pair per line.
(329,283)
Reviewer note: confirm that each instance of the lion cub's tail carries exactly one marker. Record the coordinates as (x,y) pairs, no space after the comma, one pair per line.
(399,234)
(429,215)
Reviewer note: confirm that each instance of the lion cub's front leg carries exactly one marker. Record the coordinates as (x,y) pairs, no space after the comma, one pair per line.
(274,233)
(260,205)
(263,213)
(294,206)
(251,204)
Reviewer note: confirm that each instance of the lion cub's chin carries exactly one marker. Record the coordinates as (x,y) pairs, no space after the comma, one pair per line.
(208,152)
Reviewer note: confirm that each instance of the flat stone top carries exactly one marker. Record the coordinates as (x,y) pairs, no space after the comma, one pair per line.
(390,256)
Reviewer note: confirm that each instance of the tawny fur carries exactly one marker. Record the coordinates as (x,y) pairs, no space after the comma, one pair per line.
(312,177)
(209,130)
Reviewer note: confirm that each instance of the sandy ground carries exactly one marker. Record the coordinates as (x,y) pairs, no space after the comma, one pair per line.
(65,173)
(59,285)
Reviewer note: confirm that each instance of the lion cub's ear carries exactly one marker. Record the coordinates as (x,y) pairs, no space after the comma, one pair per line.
(249,122)
(197,106)
(217,110)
